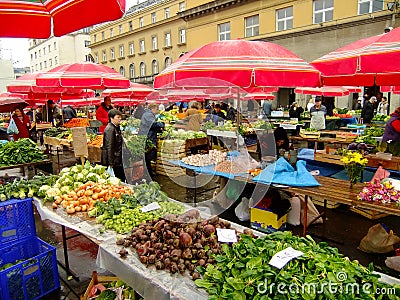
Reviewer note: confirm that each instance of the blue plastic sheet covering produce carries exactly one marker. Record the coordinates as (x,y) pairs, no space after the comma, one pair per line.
(282,172)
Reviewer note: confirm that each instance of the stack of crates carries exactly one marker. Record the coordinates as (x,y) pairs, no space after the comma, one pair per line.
(28,266)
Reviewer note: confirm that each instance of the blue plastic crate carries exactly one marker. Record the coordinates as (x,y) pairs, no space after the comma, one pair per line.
(36,273)
(16,221)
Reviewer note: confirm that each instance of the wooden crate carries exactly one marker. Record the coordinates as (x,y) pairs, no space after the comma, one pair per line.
(346,136)
(329,204)
(368,213)
(391,164)
(309,134)
(328,158)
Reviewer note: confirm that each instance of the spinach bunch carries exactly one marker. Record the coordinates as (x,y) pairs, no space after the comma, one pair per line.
(242,272)
(20,152)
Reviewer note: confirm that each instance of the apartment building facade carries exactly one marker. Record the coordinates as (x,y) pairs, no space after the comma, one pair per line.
(155,33)
(49,53)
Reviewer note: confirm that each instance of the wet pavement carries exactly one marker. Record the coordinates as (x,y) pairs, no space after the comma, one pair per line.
(343,229)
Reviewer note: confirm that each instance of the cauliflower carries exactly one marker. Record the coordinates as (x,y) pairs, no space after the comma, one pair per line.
(64,171)
(52,192)
(99,169)
(102,181)
(84,172)
(43,189)
(114,181)
(57,185)
(80,177)
(75,170)
(93,177)
(65,180)
(65,190)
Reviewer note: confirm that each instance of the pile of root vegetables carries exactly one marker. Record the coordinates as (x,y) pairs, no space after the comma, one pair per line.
(176,243)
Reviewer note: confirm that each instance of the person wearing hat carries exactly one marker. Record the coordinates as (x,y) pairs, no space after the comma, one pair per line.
(367,112)
(102,113)
(318,113)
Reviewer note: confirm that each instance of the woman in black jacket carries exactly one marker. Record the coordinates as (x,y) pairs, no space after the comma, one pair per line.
(112,144)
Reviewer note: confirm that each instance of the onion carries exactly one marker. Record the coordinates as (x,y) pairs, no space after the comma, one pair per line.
(185,240)
(209,229)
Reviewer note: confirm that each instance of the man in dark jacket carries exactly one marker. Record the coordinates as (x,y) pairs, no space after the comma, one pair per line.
(69,113)
(149,127)
(112,145)
(368,110)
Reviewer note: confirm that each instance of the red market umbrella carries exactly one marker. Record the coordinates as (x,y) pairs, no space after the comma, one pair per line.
(390,89)
(135,90)
(8,104)
(238,63)
(258,96)
(369,61)
(327,91)
(85,75)
(37,18)
(92,101)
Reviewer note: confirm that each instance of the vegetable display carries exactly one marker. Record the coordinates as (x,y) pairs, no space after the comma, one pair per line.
(180,134)
(58,132)
(176,243)
(77,122)
(20,152)
(230,167)
(243,272)
(97,141)
(110,290)
(380,118)
(367,136)
(137,146)
(22,188)
(200,160)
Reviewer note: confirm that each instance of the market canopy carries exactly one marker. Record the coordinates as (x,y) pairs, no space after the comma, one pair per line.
(9,104)
(85,75)
(240,63)
(134,91)
(369,61)
(37,18)
(328,91)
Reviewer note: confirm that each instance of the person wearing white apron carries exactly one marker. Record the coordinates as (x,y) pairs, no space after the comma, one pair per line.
(318,114)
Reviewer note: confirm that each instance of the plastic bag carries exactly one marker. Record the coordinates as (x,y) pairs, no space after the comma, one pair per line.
(110,171)
(242,211)
(378,240)
(293,217)
(12,127)
(393,263)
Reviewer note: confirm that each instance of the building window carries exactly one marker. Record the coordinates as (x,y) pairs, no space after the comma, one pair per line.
(182,36)
(104,55)
(224,31)
(120,29)
(284,18)
(181,6)
(121,51)
(251,26)
(132,71)
(369,6)
(166,12)
(153,17)
(142,69)
(55,60)
(154,66)
(142,46)
(141,22)
(36,67)
(41,67)
(45,64)
(87,43)
(131,49)
(86,30)
(130,26)
(111,32)
(50,62)
(112,53)
(168,62)
(103,36)
(49,48)
(40,53)
(95,38)
(44,51)
(96,58)
(35,55)
(323,11)
(154,43)
(168,40)
(31,56)
(122,71)
(55,46)
(88,58)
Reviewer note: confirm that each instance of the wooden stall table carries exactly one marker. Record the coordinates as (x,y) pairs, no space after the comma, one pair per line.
(327,140)
(22,166)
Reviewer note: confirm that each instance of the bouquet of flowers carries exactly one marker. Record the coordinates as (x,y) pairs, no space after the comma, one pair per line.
(377,191)
(354,164)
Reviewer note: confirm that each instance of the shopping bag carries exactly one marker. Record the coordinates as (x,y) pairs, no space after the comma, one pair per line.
(378,240)
(312,212)
(110,171)
(393,263)
(293,217)
(12,127)
(242,211)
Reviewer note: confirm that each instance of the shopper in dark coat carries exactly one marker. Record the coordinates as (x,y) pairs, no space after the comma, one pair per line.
(112,144)
(295,111)
(368,110)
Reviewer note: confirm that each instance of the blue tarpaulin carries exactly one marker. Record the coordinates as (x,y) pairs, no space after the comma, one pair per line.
(282,172)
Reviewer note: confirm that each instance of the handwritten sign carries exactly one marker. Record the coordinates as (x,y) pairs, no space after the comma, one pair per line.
(150,207)
(79,141)
(280,259)
(226,235)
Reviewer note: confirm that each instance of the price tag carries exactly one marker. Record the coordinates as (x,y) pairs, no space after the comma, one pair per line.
(150,207)
(280,259)
(226,235)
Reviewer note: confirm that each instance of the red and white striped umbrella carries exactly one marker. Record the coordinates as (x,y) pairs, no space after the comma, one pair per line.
(135,91)
(240,63)
(85,75)
(259,96)
(328,91)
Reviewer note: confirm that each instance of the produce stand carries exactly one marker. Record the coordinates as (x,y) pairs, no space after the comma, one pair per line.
(22,166)
(328,140)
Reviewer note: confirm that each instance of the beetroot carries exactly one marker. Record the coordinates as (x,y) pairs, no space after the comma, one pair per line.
(208,229)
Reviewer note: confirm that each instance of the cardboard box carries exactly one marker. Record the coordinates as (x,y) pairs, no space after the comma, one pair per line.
(266,221)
